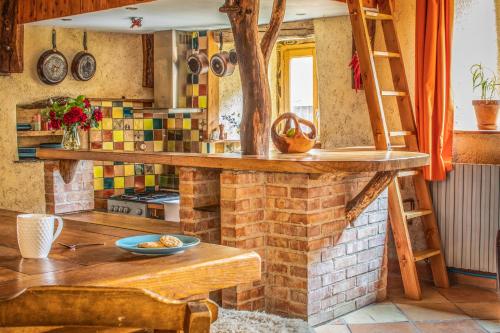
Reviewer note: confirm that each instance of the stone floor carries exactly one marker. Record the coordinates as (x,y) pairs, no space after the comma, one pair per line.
(460,309)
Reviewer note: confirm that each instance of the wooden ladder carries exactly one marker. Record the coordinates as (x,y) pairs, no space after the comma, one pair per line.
(375,94)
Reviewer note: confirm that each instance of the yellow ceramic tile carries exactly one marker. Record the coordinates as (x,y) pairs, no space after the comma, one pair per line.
(171,123)
(107,124)
(107,103)
(98,128)
(98,184)
(98,171)
(158,145)
(158,169)
(107,145)
(128,169)
(128,146)
(119,182)
(149,180)
(202,102)
(196,90)
(182,102)
(138,124)
(117,112)
(195,135)
(171,146)
(117,136)
(128,104)
(148,124)
(186,124)
(189,90)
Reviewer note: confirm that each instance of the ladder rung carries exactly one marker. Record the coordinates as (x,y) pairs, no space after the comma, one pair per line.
(417,213)
(385,54)
(407,173)
(401,133)
(424,254)
(393,93)
(371,15)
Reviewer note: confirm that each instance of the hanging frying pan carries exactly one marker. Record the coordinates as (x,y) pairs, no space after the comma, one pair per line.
(52,66)
(223,63)
(84,65)
(198,61)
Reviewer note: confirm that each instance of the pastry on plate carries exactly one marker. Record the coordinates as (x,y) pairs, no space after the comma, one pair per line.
(151,245)
(170,241)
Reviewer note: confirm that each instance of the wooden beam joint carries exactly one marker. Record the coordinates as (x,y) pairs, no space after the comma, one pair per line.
(370,192)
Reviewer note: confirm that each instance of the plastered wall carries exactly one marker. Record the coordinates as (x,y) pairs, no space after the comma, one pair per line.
(344,113)
(119,73)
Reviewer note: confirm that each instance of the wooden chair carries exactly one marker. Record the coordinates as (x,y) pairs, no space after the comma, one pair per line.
(54,306)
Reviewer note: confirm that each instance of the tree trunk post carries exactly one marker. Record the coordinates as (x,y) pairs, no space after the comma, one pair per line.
(253,57)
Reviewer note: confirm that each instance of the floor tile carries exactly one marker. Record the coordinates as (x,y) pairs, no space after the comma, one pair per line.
(328,328)
(377,313)
(429,295)
(469,294)
(481,310)
(456,326)
(383,328)
(492,326)
(432,311)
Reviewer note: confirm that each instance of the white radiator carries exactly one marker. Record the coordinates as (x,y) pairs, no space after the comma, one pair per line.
(467,209)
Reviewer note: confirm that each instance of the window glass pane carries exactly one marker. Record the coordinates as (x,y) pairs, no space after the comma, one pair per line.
(301,87)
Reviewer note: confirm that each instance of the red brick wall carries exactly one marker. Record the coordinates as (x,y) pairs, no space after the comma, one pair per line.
(65,198)
(199,188)
(315,266)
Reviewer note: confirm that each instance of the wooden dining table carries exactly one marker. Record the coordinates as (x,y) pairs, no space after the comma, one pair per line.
(195,272)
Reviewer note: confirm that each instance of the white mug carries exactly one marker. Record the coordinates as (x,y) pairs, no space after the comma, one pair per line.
(35,234)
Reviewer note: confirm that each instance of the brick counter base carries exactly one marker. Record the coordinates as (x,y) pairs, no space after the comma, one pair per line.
(314,265)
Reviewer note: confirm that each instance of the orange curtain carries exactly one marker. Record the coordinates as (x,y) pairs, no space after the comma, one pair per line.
(433,100)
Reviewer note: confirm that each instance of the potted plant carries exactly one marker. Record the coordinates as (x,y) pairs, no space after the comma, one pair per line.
(486,108)
(72,115)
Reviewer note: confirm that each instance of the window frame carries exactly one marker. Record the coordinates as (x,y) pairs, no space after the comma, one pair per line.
(286,53)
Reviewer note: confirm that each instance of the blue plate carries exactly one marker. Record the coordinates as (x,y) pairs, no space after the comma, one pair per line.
(130,244)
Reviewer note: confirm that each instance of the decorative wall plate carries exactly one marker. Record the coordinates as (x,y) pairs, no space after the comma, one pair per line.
(52,65)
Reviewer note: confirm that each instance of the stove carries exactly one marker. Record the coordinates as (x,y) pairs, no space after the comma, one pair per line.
(140,204)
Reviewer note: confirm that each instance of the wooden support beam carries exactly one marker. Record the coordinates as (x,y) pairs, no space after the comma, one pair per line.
(369,193)
(11,38)
(67,169)
(289,30)
(253,56)
(148,48)
(39,10)
(213,87)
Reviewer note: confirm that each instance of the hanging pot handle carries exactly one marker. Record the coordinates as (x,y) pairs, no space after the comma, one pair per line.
(221,41)
(85,41)
(54,40)
(195,43)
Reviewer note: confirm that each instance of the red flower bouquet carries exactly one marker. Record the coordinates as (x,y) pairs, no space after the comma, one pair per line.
(73,115)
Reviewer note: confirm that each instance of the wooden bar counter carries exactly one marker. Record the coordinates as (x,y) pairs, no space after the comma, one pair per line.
(317,220)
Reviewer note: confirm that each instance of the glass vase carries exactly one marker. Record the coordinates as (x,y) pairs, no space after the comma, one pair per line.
(71,139)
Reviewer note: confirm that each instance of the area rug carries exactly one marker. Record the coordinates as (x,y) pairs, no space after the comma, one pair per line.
(231,321)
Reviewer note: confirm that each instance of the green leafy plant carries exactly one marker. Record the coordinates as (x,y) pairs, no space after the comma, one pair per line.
(484,79)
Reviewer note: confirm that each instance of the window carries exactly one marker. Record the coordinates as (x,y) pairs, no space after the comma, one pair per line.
(298,82)
(474,41)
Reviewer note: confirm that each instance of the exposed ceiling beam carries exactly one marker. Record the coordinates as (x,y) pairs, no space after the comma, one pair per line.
(11,39)
(39,10)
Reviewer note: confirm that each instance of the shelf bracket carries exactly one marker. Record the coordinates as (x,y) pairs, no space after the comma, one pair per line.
(370,192)
(67,169)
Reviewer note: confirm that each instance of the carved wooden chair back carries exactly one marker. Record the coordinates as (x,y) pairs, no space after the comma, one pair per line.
(105,307)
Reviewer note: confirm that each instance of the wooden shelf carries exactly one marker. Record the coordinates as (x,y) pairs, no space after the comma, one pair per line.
(24,134)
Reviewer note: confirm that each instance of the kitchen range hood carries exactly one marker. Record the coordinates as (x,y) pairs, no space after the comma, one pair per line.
(171,51)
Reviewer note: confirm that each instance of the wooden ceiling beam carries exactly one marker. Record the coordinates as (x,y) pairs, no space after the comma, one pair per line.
(39,10)
(11,39)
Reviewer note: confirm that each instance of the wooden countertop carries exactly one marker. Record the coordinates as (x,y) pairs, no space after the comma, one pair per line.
(315,161)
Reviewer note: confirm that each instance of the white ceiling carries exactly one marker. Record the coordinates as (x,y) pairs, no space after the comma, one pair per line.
(190,15)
